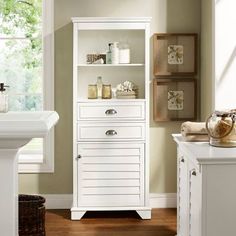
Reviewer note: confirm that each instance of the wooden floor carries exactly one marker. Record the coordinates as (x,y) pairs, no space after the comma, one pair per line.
(163,223)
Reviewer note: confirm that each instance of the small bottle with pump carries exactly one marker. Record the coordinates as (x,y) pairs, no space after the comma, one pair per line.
(109,54)
(99,86)
(3,98)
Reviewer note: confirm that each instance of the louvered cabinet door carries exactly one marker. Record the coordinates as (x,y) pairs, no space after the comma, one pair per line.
(195,201)
(110,174)
(183,206)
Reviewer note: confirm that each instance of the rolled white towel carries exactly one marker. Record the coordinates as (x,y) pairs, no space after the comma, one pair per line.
(196,138)
(194,131)
(193,128)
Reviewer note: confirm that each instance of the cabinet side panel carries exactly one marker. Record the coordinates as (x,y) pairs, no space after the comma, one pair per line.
(147,104)
(183,194)
(75,61)
(220,200)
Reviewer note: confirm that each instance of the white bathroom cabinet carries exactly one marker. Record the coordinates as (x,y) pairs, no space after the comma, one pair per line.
(110,136)
(206,189)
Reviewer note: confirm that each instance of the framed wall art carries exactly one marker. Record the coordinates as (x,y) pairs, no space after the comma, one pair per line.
(175,54)
(174,99)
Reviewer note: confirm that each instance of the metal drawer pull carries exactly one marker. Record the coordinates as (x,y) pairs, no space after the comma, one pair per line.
(194,173)
(110,112)
(182,159)
(79,156)
(111,132)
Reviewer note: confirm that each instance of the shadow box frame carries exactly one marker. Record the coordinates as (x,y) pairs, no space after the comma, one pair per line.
(165,94)
(175,54)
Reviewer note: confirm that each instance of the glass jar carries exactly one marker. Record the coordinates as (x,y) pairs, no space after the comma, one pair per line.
(106,91)
(92,91)
(221,127)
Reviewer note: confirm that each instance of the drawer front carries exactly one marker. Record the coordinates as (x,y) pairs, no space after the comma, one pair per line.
(111,111)
(111,174)
(110,132)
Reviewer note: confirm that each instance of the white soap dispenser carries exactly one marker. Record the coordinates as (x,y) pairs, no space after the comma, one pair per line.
(115,53)
(3,98)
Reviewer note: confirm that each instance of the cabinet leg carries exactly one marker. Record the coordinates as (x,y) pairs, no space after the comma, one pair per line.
(145,214)
(77,215)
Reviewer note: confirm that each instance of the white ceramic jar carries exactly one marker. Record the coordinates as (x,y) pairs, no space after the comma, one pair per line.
(124,54)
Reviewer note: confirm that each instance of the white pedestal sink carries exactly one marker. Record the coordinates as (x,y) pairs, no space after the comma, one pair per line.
(16,130)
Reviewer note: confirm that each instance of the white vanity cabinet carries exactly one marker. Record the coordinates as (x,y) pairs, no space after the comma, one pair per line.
(110,136)
(206,189)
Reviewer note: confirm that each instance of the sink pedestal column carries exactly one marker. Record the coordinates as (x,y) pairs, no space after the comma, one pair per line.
(9,191)
(16,130)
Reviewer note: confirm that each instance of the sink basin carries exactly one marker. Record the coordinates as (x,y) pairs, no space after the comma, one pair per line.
(16,130)
(26,124)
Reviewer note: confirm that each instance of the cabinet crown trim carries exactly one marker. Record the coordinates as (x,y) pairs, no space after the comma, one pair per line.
(111,19)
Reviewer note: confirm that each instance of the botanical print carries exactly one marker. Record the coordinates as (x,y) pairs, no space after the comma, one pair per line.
(175,54)
(175,100)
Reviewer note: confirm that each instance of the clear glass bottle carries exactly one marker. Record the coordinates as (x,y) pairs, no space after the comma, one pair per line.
(109,54)
(3,98)
(99,86)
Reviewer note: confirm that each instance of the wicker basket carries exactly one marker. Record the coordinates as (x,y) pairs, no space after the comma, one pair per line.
(31,215)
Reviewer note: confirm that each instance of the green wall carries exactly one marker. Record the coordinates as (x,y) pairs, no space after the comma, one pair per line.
(207,61)
(167,16)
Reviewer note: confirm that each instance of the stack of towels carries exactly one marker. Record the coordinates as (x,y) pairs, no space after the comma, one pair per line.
(194,131)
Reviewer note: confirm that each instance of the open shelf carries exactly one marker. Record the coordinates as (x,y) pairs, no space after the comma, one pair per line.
(111,65)
(109,100)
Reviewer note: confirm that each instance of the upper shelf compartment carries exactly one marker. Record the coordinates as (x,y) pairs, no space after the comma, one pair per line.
(111,65)
(96,42)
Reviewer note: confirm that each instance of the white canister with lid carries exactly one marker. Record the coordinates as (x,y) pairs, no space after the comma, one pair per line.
(115,53)
(124,54)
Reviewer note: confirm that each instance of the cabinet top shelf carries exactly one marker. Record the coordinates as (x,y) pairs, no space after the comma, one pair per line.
(110,100)
(110,19)
(111,65)
(204,153)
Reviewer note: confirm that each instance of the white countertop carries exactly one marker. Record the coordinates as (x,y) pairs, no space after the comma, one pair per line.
(204,153)
(26,124)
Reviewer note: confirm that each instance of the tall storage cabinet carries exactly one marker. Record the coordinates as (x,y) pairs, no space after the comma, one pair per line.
(110,136)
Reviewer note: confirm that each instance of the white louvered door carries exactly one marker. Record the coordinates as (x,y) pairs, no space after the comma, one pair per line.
(111,174)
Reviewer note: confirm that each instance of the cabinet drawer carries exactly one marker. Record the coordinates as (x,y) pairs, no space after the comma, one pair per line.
(111,111)
(110,132)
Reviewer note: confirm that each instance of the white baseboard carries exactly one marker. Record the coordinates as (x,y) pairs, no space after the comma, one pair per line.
(64,201)
(163,200)
(58,201)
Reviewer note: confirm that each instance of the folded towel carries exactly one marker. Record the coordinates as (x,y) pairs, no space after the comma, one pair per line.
(196,138)
(193,128)
(194,131)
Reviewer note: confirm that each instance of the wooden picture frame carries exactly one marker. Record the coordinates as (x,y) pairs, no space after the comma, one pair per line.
(174,99)
(175,54)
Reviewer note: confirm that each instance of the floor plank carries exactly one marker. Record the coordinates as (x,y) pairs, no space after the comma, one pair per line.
(163,223)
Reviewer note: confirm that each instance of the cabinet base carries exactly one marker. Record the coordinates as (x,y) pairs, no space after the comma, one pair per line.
(145,214)
(78,212)
(77,215)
